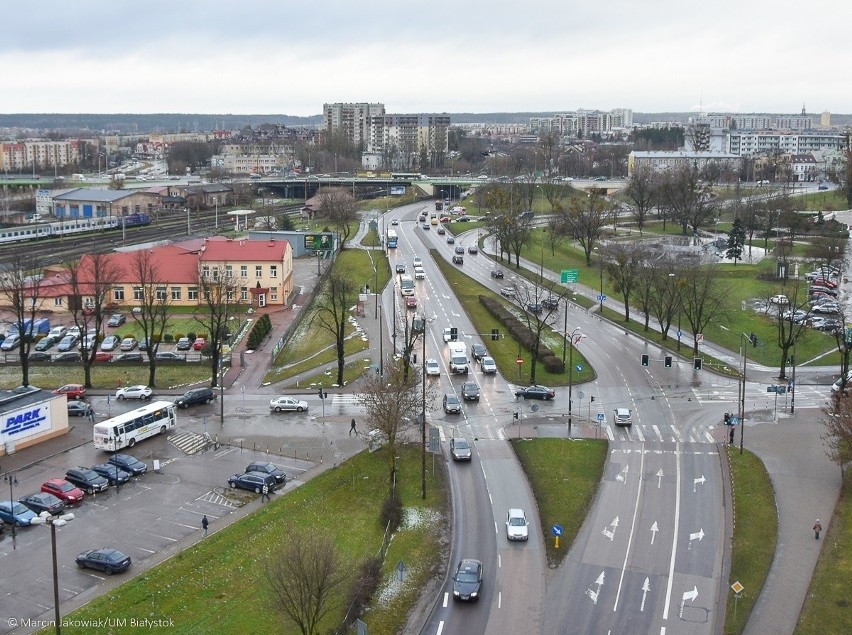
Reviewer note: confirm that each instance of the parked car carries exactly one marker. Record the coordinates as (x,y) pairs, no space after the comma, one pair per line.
(44,502)
(16,513)
(488,366)
(77,408)
(70,356)
(285,403)
(11,342)
(536,392)
(128,344)
(432,368)
(253,481)
(452,404)
(128,463)
(169,356)
(508,292)
(39,356)
(101,356)
(112,473)
(128,357)
(58,332)
(64,490)
(467,581)
(116,320)
(826,307)
(517,526)
(87,480)
(67,343)
(134,392)
(779,299)
(72,391)
(183,344)
(497,273)
(470,391)
(199,343)
(195,396)
(46,343)
(268,468)
(107,560)
(460,449)
(143,344)
(110,343)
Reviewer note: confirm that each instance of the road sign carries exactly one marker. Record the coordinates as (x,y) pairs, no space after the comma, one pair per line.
(557,530)
(602,298)
(579,368)
(570,275)
(699,337)
(519,361)
(679,334)
(737,587)
(601,416)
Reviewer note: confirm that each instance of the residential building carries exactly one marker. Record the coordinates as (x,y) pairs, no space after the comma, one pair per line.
(401,139)
(749,144)
(38,154)
(353,119)
(662,161)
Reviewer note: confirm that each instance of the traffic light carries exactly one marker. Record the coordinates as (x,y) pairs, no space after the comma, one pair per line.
(668,361)
(646,359)
(322,393)
(593,399)
(514,415)
(696,363)
(495,335)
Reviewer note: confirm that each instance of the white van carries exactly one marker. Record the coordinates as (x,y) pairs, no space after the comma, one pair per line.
(419,273)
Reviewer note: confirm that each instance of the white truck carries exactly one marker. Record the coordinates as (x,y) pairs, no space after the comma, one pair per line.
(458,358)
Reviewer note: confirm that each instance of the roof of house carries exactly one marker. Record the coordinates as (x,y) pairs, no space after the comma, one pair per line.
(220,249)
(92,194)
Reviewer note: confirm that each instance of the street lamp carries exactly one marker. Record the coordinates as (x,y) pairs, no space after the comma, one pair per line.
(418,325)
(576,336)
(742,388)
(10,478)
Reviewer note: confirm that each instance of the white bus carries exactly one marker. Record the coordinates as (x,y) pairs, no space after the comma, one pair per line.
(123,431)
(406,285)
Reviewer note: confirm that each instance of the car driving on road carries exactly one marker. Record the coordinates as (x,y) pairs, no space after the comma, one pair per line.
(535,392)
(140,392)
(460,449)
(433,369)
(517,526)
(284,404)
(467,582)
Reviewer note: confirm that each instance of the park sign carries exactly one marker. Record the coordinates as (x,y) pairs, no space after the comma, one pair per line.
(320,242)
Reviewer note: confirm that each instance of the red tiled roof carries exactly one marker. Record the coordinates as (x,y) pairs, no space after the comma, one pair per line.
(219,249)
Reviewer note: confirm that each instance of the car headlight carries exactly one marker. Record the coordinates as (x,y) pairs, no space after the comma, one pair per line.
(456,593)
(474,594)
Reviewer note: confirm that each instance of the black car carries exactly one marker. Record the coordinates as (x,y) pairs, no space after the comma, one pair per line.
(128,357)
(550,303)
(534,307)
(107,560)
(535,392)
(116,320)
(253,481)
(478,351)
(459,249)
(128,463)
(112,473)
(44,502)
(470,391)
(87,480)
(70,356)
(458,260)
(451,240)
(467,582)
(400,267)
(39,356)
(473,249)
(195,396)
(452,405)
(268,468)
(169,356)
(78,408)
(497,273)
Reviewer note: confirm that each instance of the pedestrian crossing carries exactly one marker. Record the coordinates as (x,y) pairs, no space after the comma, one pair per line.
(807,396)
(653,432)
(343,399)
(190,442)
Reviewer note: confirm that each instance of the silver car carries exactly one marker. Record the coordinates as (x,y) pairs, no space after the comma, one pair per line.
(517,526)
(460,449)
(283,404)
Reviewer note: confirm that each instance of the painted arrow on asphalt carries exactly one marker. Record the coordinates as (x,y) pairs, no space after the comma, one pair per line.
(698,481)
(611,533)
(654,530)
(645,588)
(622,475)
(659,478)
(698,535)
(594,594)
(688,595)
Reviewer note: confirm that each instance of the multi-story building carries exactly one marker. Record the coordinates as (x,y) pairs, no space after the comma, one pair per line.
(36,155)
(352,119)
(753,121)
(585,121)
(400,139)
(662,161)
(748,144)
(247,158)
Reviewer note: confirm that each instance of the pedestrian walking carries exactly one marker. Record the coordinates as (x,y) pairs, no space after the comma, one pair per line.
(265,496)
(731,437)
(817,529)
(90,413)
(352,429)
(204,523)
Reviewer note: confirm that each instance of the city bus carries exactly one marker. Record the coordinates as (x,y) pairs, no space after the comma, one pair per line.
(392,239)
(123,431)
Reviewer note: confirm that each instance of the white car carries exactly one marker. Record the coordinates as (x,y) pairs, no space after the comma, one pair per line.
(134,392)
(448,335)
(58,332)
(419,273)
(779,299)
(418,261)
(488,366)
(517,526)
(433,369)
(283,404)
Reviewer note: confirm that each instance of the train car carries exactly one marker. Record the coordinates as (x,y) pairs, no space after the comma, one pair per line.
(25,232)
(136,220)
(73,226)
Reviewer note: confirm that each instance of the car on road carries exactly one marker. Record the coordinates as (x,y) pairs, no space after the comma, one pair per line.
(418,261)
(195,396)
(467,581)
(70,356)
(535,392)
(169,356)
(488,366)
(448,334)
(198,344)
(285,404)
(183,344)
(117,319)
(497,273)
(433,369)
(458,260)
(550,303)
(129,463)
(419,273)
(441,231)
(128,344)
(112,473)
(508,292)
(72,391)
(268,468)
(473,250)
(110,343)
(400,267)
(253,481)
(470,391)
(16,513)
(425,225)
(459,249)
(46,343)
(623,417)
(64,490)
(395,222)
(44,502)
(460,449)
(534,308)
(67,343)
(452,404)
(87,480)
(138,391)
(451,239)
(517,525)
(478,351)
(107,560)
(78,408)
(410,302)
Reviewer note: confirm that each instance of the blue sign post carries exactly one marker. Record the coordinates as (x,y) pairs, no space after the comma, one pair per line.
(557,531)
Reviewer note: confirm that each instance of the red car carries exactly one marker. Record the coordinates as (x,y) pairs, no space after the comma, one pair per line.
(411,302)
(198,344)
(72,391)
(100,356)
(63,490)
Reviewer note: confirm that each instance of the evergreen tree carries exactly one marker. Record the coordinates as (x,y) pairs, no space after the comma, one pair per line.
(736,241)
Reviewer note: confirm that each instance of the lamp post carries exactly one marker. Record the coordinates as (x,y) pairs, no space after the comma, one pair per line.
(742,387)
(10,478)
(574,334)
(422,332)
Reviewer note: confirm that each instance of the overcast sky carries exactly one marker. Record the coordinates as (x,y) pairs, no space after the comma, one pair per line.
(290,57)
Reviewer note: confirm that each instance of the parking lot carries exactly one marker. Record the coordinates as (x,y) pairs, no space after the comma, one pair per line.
(152,517)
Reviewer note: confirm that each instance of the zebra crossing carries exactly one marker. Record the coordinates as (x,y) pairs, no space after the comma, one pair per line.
(343,399)
(190,442)
(807,396)
(653,432)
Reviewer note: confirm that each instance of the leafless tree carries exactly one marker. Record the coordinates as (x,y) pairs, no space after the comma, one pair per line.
(688,197)
(665,296)
(151,292)
(510,227)
(556,233)
(305,577)
(220,292)
(550,148)
(92,281)
(702,295)
(585,220)
(844,346)
(333,310)
(555,193)
(624,262)
(838,429)
(341,210)
(531,298)
(21,284)
(787,329)
(642,190)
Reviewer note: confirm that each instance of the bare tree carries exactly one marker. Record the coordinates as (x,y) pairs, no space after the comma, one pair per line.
(305,577)
(151,292)
(624,263)
(550,148)
(585,220)
(536,301)
(219,289)
(844,347)
(688,197)
(341,210)
(665,296)
(21,281)
(702,295)
(337,298)
(642,190)
(788,330)
(555,193)
(556,233)
(92,282)
(838,429)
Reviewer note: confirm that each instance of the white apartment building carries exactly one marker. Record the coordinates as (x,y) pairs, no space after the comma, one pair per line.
(753,143)
(402,138)
(587,121)
(351,118)
(662,161)
(36,154)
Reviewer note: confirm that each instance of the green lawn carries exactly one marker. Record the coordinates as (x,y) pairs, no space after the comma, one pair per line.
(218,585)
(107,376)
(564,475)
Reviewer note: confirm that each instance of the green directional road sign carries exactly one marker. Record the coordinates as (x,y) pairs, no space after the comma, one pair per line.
(570,275)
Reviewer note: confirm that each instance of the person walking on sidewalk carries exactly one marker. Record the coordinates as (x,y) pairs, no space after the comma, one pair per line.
(90,414)
(352,429)
(265,496)
(204,523)
(817,529)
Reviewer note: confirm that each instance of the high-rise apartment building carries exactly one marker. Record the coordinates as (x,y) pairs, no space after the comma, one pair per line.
(352,119)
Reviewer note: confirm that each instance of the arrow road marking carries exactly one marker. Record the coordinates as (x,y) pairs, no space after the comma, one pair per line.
(698,481)
(645,588)
(611,533)
(594,594)
(698,535)
(654,530)
(622,475)
(659,476)
(688,595)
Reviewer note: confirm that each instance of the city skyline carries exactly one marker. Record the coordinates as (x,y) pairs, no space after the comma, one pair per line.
(278,58)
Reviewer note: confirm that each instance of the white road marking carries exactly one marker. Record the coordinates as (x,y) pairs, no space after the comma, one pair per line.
(674,539)
(630,536)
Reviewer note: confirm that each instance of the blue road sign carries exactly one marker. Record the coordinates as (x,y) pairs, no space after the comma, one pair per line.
(602,298)
(556,530)
(601,416)
(579,368)
(679,334)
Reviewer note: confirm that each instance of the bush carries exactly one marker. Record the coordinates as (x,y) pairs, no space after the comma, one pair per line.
(392,513)
(192,336)
(364,586)
(259,331)
(522,333)
(168,337)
